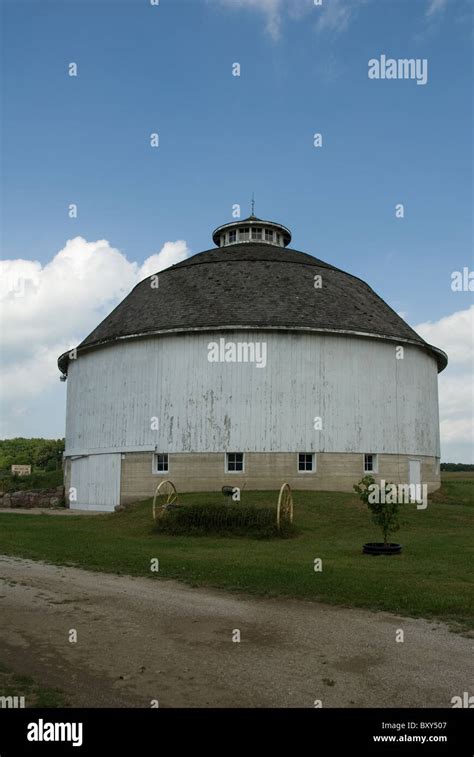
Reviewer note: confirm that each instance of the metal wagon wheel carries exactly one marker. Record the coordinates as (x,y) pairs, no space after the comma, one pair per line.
(285,505)
(165,496)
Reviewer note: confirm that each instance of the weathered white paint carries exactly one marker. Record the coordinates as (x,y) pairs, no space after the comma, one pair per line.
(96,479)
(368,400)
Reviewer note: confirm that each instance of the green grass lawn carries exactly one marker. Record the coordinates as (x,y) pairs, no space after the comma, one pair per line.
(12,685)
(431,578)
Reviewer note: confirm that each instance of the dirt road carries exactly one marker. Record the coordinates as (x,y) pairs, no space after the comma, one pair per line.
(144,639)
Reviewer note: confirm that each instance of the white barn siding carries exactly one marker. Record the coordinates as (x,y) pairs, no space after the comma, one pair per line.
(368,400)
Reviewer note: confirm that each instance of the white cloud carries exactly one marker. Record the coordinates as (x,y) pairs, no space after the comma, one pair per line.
(454,335)
(30,375)
(434,16)
(272,10)
(335,15)
(435,6)
(332,15)
(48,309)
(170,253)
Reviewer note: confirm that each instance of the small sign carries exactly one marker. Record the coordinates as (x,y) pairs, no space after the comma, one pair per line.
(21,470)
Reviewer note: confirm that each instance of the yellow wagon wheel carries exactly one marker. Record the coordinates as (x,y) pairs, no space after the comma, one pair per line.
(285,505)
(165,495)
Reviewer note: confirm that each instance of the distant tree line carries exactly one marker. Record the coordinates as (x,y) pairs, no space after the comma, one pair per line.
(456,466)
(41,454)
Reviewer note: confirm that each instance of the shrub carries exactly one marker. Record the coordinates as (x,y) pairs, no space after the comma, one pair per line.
(384,514)
(37,480)
(234,519)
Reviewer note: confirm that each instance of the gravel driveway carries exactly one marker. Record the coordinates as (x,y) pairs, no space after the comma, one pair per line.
(144,639)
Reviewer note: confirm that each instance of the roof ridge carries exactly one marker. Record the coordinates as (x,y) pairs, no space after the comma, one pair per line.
(186,263)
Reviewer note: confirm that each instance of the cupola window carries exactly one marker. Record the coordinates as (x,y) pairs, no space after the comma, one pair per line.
(252,228)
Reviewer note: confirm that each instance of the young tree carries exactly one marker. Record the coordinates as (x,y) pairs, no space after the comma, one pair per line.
(384,507)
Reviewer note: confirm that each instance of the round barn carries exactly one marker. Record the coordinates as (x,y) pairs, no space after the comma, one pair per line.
(249,363)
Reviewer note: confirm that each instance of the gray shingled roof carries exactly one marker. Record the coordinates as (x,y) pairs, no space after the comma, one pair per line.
(253,285)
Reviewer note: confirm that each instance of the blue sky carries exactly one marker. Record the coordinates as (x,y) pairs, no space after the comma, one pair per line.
(168,69)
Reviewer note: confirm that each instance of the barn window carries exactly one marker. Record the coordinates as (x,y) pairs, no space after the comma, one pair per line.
(306,462)
(370,463)
(244,234)
(256,233)
(232,236)
(268,235)
(160,463)
(234,462)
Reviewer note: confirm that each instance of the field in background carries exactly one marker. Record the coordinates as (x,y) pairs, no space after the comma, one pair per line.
(468,475)
(456,488)
(431,578)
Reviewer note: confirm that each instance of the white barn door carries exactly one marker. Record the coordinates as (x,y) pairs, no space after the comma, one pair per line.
(96,481)
(414,473)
